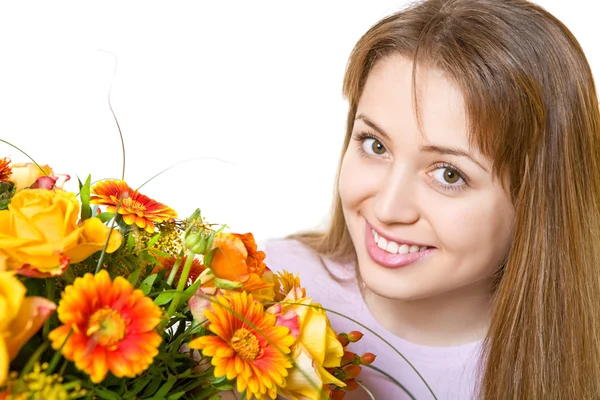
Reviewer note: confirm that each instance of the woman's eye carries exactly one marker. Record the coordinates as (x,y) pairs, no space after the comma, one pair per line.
(373,146)
(448,176)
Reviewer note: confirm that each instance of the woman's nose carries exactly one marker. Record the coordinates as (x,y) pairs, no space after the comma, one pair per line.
(396,201)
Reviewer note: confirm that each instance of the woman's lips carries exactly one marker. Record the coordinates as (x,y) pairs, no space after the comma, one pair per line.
(390,260)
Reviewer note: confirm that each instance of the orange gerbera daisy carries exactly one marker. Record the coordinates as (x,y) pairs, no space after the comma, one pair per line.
(135,207)
(248,346)
(111,325)
(5,170)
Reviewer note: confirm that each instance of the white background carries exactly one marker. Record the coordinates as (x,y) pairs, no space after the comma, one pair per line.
(255,84)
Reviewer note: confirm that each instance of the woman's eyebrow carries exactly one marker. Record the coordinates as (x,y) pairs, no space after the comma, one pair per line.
(372,125)
(453,151)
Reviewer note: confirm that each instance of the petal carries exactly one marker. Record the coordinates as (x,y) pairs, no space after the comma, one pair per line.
(33,313)
(229,260)
(4,362)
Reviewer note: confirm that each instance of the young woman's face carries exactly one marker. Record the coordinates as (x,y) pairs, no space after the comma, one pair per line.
(425,214)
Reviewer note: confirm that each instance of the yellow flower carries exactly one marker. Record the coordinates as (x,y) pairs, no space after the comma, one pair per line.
(20,318)
(248,346)
(25,174)
(317,346)
(40,236)
(112,327)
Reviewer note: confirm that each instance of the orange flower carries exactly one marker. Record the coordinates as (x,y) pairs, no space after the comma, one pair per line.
(248,346)
(238,260)
(111,327)
(5,170)
(287,282)
(168,263)
(135,207)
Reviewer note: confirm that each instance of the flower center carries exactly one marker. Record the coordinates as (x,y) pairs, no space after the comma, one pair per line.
(245,344)
(107,327)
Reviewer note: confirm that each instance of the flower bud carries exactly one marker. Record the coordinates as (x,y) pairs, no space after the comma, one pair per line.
(337,394)
(348,356)
(343,339)
(352,371)
(367,358)
(350,385)
(354,336)
(196,243)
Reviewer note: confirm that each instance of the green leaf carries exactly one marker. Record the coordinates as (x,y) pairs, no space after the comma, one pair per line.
(138,387)
(209,256)
(164,298)
(84,195)
(105,394)
(134,276)
(190,291)
(164,389)
(105,216)
(153,240)
(156,252)
(152,387)
(130,243)
(4,204)
(224,387)
(146,285)
(175,396)
(226,284)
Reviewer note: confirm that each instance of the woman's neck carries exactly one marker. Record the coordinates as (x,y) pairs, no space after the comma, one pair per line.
(450,319)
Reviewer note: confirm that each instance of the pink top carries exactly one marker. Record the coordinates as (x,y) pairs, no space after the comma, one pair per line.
(449,371)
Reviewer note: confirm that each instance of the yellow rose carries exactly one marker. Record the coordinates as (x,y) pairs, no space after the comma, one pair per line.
(40,236)
(25,174)
(20,318)
(317,346)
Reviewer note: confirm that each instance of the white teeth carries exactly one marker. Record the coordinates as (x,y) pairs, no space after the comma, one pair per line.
(403,249)
(392,247)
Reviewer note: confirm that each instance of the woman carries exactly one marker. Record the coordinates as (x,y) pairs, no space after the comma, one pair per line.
(466,225)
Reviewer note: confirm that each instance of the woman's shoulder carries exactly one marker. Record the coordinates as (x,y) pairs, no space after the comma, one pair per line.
(296,257)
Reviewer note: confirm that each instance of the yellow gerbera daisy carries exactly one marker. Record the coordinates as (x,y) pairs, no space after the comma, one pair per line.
(248,346)
(135,207)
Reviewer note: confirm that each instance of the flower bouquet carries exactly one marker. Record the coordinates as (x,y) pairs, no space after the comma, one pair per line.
(107,294)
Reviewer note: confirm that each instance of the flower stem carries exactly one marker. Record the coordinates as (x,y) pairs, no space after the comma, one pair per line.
(175,269)
(57,355)
(112,225)
(181,285)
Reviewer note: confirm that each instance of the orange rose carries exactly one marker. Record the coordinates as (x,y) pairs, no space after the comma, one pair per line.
(237,259)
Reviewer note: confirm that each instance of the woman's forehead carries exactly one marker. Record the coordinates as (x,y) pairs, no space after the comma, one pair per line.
(430,106)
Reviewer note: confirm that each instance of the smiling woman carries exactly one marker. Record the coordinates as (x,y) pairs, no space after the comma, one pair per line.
(470,159)
(404,194)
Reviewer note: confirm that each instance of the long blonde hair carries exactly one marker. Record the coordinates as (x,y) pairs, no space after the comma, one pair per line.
(533,110)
